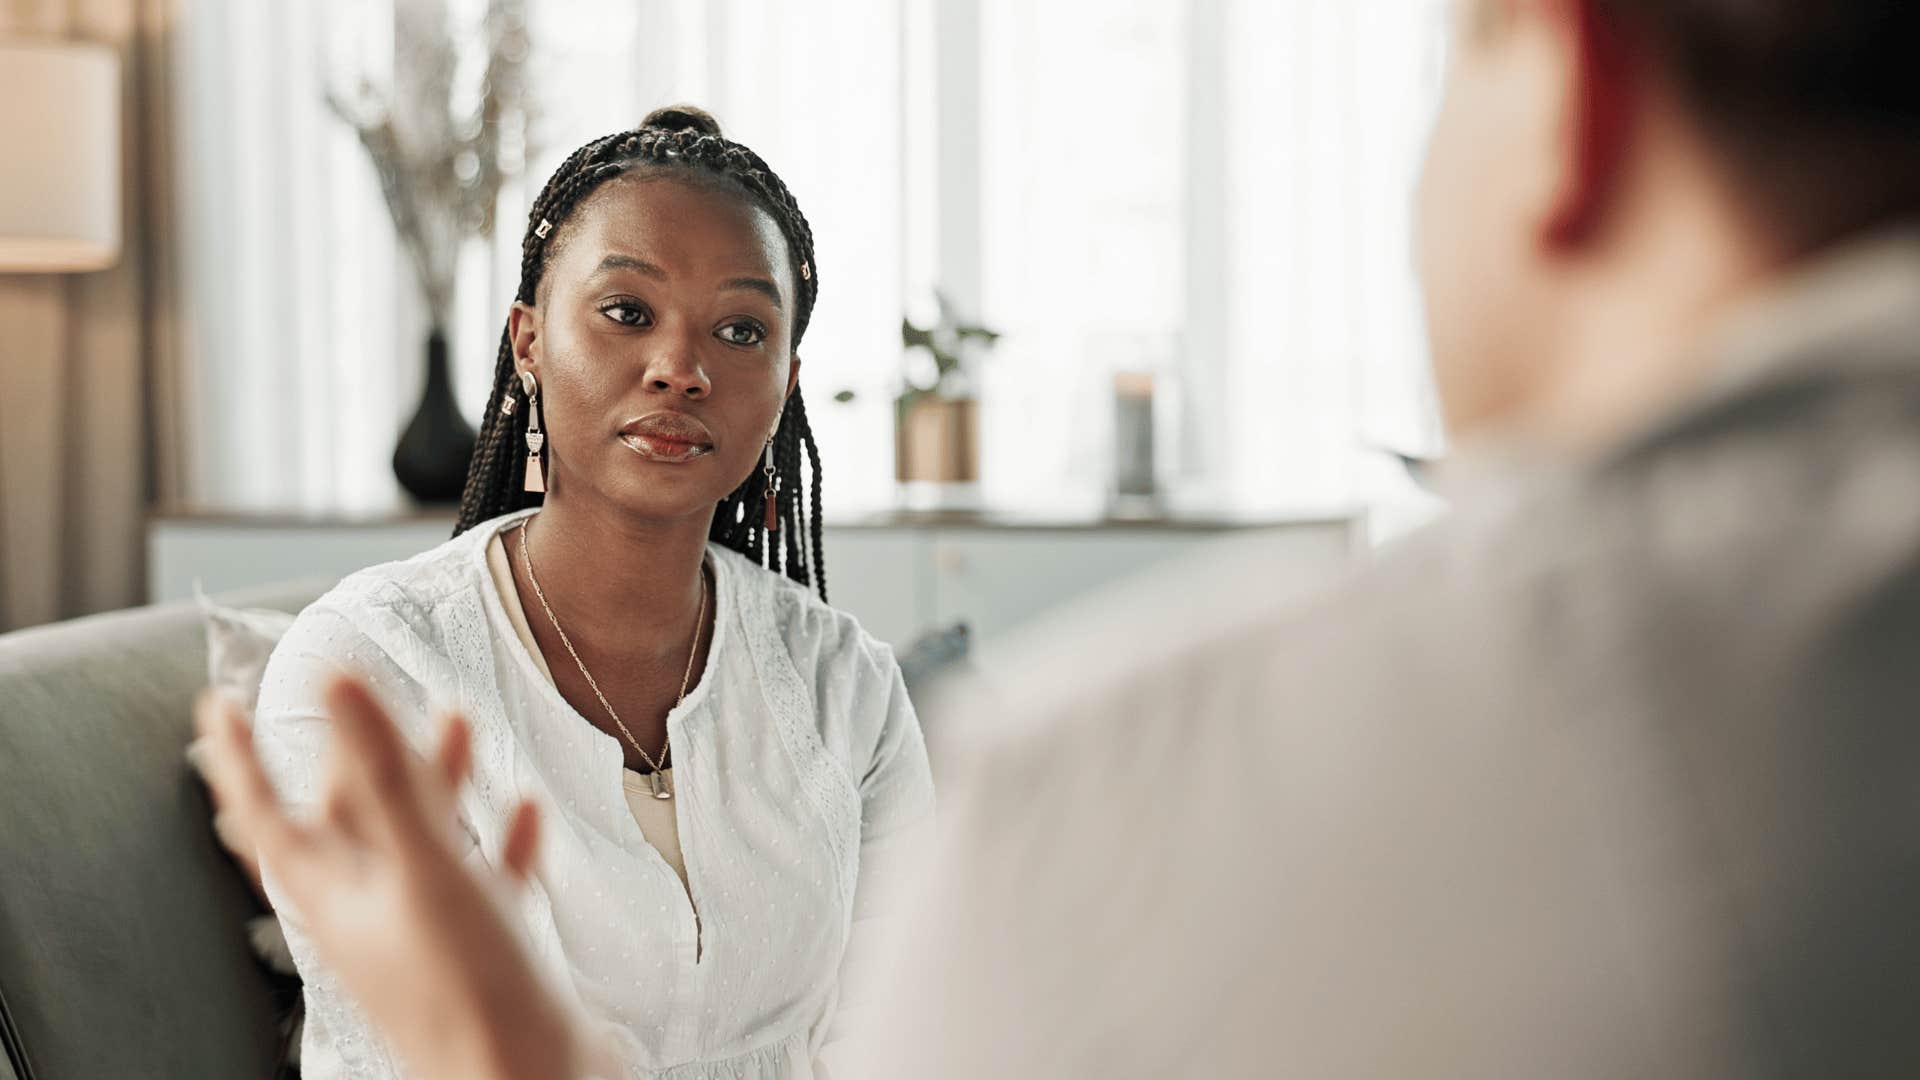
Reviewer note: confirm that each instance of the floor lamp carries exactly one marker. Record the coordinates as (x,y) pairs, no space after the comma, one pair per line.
(59,161)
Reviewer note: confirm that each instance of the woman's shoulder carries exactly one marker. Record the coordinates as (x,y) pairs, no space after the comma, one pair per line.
(819,666)
(417,582)
(795,610)
(394,605)
(814,632)
(393,620)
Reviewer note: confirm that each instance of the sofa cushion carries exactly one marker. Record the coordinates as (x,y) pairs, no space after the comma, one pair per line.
(239,643)
(122,950)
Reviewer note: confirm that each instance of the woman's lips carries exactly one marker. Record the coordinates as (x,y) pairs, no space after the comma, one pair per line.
(667,436)
(671,451)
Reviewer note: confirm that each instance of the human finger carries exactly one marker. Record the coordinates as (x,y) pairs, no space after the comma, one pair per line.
(373,780)
(522,847)
(252,810)
(453,758)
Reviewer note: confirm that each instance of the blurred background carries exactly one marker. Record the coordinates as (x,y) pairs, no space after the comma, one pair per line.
(1100,281)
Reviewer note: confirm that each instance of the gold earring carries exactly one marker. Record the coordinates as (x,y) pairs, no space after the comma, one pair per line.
(536,481)
(773,489)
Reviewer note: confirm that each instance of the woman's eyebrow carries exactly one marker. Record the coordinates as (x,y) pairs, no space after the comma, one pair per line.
(628,262)
(638,265)
(755,284)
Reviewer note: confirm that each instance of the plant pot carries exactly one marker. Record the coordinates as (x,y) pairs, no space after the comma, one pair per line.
(435,449)
(937,441)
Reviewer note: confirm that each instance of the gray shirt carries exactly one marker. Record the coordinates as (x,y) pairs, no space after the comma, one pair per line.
(1615,772)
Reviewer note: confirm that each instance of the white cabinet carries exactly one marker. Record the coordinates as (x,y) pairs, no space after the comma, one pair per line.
(900,576)
(995,580)
(880,576)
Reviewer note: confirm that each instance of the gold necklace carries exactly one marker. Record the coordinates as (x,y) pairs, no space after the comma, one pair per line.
(658,780)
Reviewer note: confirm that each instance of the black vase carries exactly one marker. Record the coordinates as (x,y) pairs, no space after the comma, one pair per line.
(431,460)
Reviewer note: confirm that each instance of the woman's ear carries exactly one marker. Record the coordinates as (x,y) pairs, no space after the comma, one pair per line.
(793,373)
(523,332)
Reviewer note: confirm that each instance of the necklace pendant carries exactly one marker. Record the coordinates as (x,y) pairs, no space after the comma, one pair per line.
(660,786)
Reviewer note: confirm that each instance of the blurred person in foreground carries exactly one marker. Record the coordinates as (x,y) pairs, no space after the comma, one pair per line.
(1610,773)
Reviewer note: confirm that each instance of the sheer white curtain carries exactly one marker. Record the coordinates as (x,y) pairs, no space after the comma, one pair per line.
(298,371)
(1330,101)
(1084,174)
(1219,191)
(307,330)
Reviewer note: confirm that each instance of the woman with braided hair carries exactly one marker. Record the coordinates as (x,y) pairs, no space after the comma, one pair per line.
(631,620)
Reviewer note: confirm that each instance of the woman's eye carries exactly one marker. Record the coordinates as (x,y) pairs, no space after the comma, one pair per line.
(742,333)
(625,314)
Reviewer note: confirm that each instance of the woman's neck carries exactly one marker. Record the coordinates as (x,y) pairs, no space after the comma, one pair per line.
(608,572)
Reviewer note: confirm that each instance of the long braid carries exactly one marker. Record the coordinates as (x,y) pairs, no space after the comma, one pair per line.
(813,490)
(672,138)
(788,462)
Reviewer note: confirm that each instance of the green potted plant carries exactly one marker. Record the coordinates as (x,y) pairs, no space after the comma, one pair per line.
(936,412)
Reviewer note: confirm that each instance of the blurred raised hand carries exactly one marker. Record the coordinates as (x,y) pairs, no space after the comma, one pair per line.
(424,942)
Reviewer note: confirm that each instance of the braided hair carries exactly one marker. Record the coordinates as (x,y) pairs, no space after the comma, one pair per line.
(686,139)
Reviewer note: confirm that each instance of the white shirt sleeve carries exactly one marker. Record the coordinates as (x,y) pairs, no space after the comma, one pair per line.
(291,735)
(896,798)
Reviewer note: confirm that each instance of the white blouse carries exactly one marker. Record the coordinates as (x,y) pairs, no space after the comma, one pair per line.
(657,820)
(796,757)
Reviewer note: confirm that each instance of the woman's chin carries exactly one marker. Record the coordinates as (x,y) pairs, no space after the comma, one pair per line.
(670,493)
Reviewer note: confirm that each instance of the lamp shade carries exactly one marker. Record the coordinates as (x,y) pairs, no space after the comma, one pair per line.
(59,157)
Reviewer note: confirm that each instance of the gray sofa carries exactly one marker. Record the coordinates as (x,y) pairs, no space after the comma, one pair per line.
(122,941)
(122,923)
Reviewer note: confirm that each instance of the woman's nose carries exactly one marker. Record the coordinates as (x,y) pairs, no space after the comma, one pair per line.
(675,369)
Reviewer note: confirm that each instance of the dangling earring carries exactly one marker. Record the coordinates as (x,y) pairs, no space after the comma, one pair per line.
(773,489)
(536,439)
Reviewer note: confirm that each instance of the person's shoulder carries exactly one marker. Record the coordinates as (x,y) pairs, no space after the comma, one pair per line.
(814,632)
(389,622)
(1242,648)
(402,592)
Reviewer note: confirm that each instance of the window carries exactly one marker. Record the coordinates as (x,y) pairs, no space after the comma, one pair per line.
(1216,191)
(1084,181)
